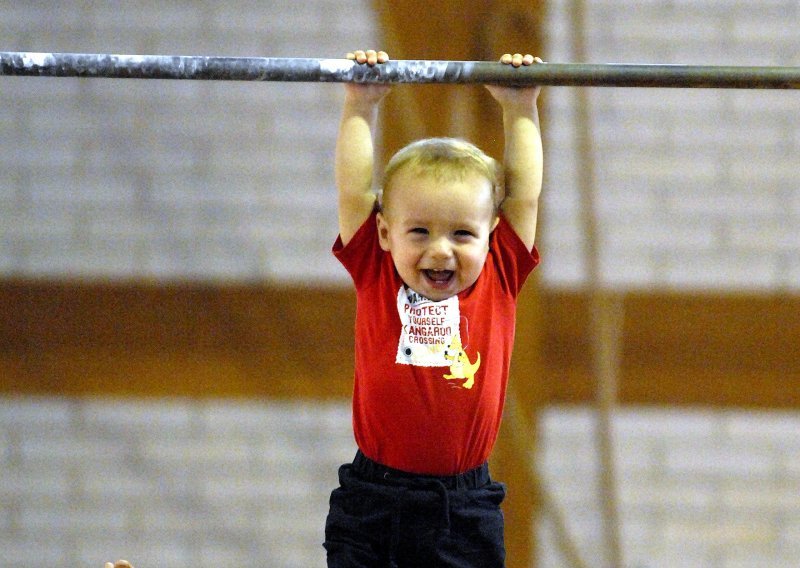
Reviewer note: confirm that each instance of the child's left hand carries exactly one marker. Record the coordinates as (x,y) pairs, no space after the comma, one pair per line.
(518,59)
(516,95)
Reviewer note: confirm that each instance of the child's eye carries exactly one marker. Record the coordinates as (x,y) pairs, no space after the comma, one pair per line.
(419,231)
(464,233)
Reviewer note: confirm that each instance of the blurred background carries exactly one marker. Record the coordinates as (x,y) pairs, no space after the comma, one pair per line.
(176,339)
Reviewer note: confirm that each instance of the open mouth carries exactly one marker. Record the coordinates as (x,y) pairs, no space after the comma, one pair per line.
(438,278)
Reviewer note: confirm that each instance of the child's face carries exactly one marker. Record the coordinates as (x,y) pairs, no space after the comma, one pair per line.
(437,231)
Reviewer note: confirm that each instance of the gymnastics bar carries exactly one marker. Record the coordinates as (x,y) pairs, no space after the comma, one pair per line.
(345,71)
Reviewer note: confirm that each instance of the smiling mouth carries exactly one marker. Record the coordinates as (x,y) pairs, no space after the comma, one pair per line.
(438,277)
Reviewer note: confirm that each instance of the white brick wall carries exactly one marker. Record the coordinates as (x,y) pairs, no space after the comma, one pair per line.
(167,483)
(699,488)
(695,188)
(172,180)
(222,483)
(165,180)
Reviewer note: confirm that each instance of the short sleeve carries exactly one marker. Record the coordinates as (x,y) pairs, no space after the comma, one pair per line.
(361,256)
(513,260)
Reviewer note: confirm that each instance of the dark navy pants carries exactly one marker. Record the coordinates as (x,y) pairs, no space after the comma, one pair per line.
(383,518)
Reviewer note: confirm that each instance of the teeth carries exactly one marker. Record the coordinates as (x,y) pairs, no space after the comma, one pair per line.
(439,275)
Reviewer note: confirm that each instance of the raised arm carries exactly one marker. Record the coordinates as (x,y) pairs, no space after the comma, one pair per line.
(355,161)
(523,156)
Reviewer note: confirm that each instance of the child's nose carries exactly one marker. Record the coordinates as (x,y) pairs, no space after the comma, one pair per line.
(440,248)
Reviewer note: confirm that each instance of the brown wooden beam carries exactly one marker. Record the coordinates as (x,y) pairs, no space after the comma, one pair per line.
(228,340)
(178,340)
(682,348)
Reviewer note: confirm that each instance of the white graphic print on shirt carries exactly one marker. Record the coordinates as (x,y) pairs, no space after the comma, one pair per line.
(427,328)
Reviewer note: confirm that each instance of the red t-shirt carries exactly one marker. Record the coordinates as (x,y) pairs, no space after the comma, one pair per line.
(430,377)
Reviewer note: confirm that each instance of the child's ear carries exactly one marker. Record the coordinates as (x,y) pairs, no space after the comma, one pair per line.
(383,231)
(494,223)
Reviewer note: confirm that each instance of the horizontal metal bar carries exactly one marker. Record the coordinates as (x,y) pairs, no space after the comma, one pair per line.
(345,71)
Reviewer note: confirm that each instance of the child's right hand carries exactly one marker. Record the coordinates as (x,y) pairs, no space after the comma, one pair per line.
(370,56)
(118,564)
(370,93)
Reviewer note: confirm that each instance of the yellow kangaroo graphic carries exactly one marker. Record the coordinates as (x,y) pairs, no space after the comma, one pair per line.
(460,366)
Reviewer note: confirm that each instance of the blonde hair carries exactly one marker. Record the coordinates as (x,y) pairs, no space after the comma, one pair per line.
(445,159)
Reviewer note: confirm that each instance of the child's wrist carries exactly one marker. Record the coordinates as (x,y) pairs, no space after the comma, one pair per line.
(360,104)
